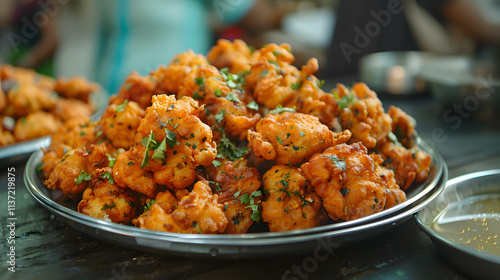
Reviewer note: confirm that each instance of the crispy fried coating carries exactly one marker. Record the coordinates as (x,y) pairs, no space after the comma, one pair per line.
(290,205)
(191,142)
(120,122)
(51,156)
(291,138)
(76,88)
(6,137)
(136,88)
(171,78)
(351,184)
(409,165)
(67,109)
(403,126)
(127,173)
(234,55)
(198,212)
(76,133)
(72,174)
(362,113)
(107,201)
(27,98)
(234,183)
(34,125)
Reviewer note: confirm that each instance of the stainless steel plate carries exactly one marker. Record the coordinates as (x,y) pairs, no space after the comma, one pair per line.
(474,263)
(20,151)
(238,245)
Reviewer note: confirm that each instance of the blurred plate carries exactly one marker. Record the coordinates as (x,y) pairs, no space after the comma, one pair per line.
(395,72)
(470,202)
(237,245)
(461,79)
(17,152)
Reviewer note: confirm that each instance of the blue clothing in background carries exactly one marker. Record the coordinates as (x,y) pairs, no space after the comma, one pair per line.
(140,35)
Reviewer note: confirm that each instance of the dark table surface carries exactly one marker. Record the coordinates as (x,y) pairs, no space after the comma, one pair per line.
(47,249)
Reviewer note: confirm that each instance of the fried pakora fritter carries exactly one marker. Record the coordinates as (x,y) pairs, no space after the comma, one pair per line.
(38,104)
(237,187)
(290,205)
(350,182)
(221,143)
(106,201)
(34,125)
(291,138)
(362,113)
(119,123)
(198,212)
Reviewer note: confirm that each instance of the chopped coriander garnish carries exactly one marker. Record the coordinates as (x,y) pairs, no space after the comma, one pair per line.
(83,176)
(200,81)
(320,83)
(220,116)
(111,160)
(232,97)
(276,53)
(301,134)
(99,133)
(122,106)
(296,86)
(253,105)
(264,72)
(197,96)
(170,139)
(148,205)
(216,163)
(346,100)
(226,149)
(280,109)
(106,206)
(340,163)
(344,191)
(218,93)
(159,153)
(279,139)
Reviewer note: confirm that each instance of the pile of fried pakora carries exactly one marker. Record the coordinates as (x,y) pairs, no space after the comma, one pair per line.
(33,105)
(240,137)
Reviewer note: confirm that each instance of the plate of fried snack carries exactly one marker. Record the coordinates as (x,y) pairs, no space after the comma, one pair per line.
(236,154)
(33,106)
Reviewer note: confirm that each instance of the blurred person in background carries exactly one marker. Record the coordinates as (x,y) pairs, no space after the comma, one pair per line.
(120,36)
(29,35)
(438,26)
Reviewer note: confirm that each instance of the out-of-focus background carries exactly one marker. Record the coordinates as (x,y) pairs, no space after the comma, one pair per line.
(105,40)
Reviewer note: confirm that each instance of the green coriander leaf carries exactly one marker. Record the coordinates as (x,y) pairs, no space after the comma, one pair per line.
(83,176)
(295,86)
(216,163)
(170,139)
(340,163)
(301,134)
(220,116)
(237,194)
(320,83)
(200,81)
(122,106)
(244,199)
(264,72)
(276,53)
(106,206)
(226,149)
(197,96)
(232,97)
(280,109)
(279,139)
(159,153)
(218,93)
(253,105)
(148,205)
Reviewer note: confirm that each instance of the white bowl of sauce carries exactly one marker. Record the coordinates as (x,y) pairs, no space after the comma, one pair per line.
(464,223)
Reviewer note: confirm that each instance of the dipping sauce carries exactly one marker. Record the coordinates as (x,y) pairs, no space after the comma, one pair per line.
(473,222)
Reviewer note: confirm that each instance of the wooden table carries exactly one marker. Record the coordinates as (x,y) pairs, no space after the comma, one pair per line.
(46,248)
